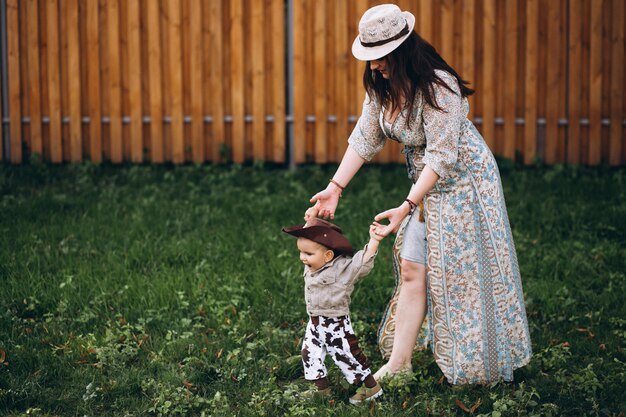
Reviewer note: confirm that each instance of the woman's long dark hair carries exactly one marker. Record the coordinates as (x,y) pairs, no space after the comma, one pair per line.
(411,68)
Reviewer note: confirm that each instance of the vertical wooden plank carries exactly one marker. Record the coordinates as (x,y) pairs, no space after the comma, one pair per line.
(34,84)
(319,81)
(123,25)
(93,64)
(15,106)
(468,50)
(2,158)
(595,83)
(424,18)
(258,79)
(166,80)
(176,82)
(73,60)
(510,75)
(115,95)
(360,6)
(553,78)
(489,72)
(237,80)
(299,69)
(562,130)
(530,104)
(24,96)
(329,39)
(278,78)
(54,80)
(617,82)
(134,80)
(447,30)
(215,62)
(156,97)
(195,81)
(574,81)
(65,89)
(185,42)
(341,75)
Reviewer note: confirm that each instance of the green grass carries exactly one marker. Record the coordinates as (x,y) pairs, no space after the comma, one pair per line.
(147,290)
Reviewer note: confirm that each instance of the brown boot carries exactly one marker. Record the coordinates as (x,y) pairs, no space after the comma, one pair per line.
(366,394)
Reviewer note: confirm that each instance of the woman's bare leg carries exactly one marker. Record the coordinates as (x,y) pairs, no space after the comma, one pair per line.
(410,313)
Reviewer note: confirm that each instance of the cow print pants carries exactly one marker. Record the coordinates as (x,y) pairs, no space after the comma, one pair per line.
(335,336)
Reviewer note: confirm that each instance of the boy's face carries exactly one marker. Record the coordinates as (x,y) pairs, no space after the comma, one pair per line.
(312,254)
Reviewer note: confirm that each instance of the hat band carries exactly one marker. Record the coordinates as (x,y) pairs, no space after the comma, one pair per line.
(385,41)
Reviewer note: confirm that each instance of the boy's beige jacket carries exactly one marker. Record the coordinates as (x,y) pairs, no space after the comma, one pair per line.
(327,291)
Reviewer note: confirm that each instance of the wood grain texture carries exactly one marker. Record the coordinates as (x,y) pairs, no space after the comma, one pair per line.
(279,80)
(73,65)
(15,101)
(595,83)
(195,81)
(530,105)
(114,87)
(54,80)
(176,82)
(214,59)
(34,74)
(155,75)
(257,39)
(134,80)
(617,83)
(237,80)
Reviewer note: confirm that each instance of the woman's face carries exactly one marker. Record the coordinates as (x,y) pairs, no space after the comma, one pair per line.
(381,66)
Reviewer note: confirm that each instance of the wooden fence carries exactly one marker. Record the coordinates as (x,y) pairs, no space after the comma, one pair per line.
(274,80)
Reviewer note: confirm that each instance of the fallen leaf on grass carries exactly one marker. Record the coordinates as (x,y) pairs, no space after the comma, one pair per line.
(187,384)
(475,406)
(440,380)
(583,330)
(462,406)
(219,353)
(3,355)
(372,407)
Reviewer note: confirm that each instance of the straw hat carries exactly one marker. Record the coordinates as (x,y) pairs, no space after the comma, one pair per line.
(381,30)
(324,233)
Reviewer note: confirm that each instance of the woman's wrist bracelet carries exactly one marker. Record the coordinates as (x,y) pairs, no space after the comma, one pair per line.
(412,205)
(341,187)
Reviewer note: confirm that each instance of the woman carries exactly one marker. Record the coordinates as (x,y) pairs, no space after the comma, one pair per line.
(477,319)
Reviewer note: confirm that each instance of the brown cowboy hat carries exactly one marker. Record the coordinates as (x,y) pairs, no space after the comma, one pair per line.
(324,233)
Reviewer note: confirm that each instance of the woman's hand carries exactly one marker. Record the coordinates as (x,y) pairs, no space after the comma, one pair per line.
(326,201)
(395,217)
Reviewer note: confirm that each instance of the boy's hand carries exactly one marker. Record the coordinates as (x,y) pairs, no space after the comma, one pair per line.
(311,213)
(376,231)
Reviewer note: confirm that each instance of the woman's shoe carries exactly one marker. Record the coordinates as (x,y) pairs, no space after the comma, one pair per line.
(385,373)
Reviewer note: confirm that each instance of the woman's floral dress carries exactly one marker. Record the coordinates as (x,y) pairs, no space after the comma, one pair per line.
(477,328)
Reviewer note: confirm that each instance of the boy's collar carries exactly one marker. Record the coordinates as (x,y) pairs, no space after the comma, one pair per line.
(326,265)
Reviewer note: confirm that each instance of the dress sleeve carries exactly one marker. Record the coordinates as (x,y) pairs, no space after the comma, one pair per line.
(443,128)
(367,138)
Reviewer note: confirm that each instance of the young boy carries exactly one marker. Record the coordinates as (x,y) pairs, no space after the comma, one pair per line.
(330,272)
